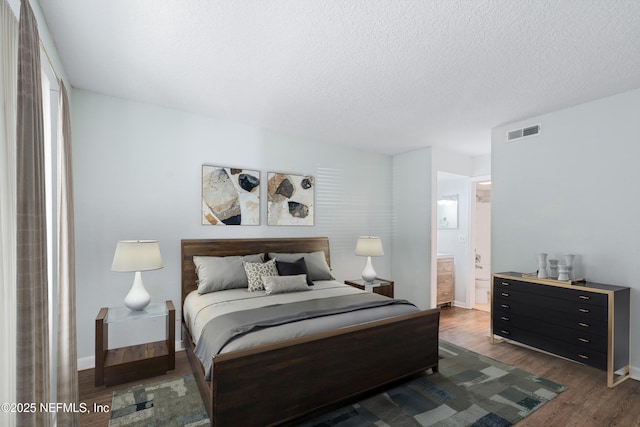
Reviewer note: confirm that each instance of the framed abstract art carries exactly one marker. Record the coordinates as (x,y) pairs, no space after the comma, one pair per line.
(290,199)
(230,196)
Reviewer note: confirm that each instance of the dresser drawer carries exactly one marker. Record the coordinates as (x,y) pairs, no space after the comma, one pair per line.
(444,266)
(578,353)
(445,281)
(578,318)
(579,295)
(444,296)
(583,337)
(543,303)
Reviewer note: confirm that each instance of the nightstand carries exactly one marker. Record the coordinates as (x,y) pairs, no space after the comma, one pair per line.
(125,364)
(378,286)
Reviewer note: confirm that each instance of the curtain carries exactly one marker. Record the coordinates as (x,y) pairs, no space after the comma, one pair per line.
(67,384)
(32,349)
(8,88)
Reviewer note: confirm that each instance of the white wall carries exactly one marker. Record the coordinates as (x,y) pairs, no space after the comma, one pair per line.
(413,182)
(455,163)
(137,176)
(481,165)
(573,188)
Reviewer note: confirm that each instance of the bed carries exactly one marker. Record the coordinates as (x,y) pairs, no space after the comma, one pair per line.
(288,380)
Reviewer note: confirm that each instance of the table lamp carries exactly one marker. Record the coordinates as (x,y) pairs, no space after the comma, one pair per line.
(369,246)
(138,256)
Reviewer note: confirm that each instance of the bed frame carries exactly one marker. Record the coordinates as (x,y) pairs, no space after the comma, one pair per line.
(296,379)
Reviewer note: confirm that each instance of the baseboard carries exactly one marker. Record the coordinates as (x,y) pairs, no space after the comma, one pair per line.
(89,362)
(460,305)
(85,363)
(635,373)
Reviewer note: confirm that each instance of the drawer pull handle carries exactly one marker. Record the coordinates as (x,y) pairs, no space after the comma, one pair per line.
(504,318)
(584,325)
(505,332)
(584,310)
(583,340)
(584,297)
(505,283)
(505,294)
(505,306)
(582,356)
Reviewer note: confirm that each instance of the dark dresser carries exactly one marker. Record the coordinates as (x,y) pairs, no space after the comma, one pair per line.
(586,322)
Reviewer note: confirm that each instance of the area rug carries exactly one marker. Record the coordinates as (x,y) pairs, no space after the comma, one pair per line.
(172,402)
(469,390)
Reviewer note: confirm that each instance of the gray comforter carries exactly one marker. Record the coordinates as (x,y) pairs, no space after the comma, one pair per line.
(224,329)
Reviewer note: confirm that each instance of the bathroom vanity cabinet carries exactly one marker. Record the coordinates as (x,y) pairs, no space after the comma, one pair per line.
(445,281)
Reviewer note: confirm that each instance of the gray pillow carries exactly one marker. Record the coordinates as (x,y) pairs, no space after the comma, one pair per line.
(220,273)
(316,262)
(282,284)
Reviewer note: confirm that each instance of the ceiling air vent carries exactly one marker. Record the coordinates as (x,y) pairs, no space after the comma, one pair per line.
(512,135)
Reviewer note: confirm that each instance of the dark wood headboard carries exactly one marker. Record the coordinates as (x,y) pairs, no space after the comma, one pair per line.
(229,247)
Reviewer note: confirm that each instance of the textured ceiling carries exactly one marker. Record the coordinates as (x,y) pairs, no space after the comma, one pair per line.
(383,75)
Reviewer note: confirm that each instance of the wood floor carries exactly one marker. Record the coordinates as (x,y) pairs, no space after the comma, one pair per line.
(587,401)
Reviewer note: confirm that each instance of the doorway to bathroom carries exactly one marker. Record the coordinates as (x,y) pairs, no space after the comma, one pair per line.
(481,243)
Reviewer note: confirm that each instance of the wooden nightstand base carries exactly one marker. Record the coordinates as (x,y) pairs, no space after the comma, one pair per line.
(135,362)
(125,364)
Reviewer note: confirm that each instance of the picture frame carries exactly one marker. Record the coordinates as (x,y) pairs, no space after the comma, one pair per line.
(290,199)
(230,196)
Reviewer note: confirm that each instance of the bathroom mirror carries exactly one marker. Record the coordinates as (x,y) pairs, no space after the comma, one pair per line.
(447,211)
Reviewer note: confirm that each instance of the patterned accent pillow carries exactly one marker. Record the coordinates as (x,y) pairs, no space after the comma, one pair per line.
(255,271)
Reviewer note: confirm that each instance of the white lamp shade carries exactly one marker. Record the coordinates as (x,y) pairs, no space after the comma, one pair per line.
(137,255)
(369,246)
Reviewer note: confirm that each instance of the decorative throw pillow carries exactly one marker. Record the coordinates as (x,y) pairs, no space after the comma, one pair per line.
(255,271)
(293,269)
(282,284)
(316,262)
(219,273)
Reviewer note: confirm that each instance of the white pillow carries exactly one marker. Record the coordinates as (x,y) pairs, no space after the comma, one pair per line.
(219,273)
(282,284)
(255,271)
(316,262)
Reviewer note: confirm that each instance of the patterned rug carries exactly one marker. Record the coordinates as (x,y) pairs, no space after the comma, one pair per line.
(172,402)
(469,390)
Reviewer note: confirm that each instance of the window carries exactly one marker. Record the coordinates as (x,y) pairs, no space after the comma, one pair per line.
(50,90)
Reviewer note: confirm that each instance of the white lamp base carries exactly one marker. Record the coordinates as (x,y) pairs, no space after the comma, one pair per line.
(368,274)
(138,297)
